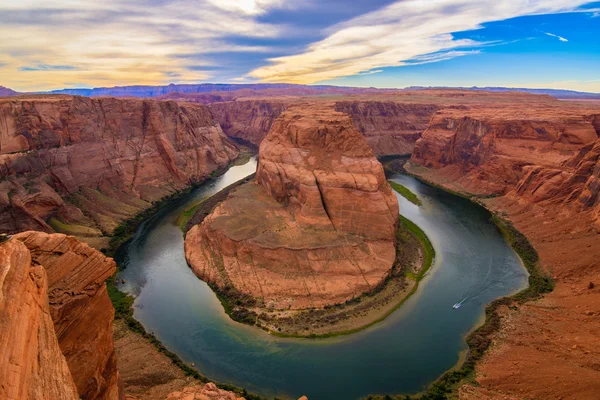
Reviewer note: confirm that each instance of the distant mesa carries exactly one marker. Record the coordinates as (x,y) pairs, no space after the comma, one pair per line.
(318,225)
(5,92)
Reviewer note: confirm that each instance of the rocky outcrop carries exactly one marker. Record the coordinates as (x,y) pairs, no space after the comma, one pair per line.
(541,163)
(54,290)
(318,226)
(81,166)
(389,127)
(247,120)
(209,391)
(489,151)
(32,365)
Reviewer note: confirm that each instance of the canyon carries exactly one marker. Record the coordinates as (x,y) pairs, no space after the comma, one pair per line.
(316,228)
(538,166)
(82,166)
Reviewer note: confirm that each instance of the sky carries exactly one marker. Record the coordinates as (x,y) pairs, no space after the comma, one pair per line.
(51,44)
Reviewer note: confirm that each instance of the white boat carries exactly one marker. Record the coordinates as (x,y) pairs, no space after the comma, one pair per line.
(457,305)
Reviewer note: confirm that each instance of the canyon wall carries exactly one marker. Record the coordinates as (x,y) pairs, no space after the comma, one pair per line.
(81,166)
(536,164)
(247,120)
(490,150)
(56,320)
(32,365)
(317,227)
(390,128)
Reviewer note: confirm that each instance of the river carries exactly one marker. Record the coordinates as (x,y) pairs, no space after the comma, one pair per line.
(402,354)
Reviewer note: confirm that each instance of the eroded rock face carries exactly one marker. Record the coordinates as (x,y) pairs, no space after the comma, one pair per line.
(32,365)
(318,226)
(489,151)
(210,391)
(248,120)
(81,165)
(80,308)
(389,127)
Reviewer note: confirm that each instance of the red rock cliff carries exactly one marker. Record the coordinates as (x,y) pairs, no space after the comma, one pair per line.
(81,165)
(489,150)
(247,120)
(32,365)
(66,311)
(318,226)
(389,127)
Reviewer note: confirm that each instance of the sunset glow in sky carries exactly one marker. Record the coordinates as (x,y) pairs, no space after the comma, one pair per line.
(50,44)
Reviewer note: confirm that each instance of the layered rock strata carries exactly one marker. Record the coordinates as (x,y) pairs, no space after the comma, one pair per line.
(389,127)
(318,225)
(60,319)
(539,167)
(81,166)
(32,365)
(247,120)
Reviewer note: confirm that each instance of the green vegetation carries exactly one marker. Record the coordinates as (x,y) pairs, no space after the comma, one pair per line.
(539,283)
(72,229)
(428,250)
(184,217)
(406,193)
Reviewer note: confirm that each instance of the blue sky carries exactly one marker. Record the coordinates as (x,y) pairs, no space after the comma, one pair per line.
(82,43)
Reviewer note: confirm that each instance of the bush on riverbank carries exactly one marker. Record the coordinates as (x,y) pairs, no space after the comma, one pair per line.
(406,193)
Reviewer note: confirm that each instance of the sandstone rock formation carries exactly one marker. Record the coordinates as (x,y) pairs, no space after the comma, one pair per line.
(489,150)
(64,308)
(388,126)
(318,226)
(247,120)
(210,391)
(81,166)
(32,365)
(539,163)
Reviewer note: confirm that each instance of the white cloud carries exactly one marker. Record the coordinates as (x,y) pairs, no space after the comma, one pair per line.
(399,32)
(121,42)
(562,39)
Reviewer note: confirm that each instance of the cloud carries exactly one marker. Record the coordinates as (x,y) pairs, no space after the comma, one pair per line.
(562,39)
(46,67)
(398,33)
(123,42)
(439,56)
(375,71)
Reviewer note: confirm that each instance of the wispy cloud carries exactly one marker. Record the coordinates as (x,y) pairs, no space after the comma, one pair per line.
(124,42)
(46,67)
(440,56)
(562,39)
(400,32)
(375,71)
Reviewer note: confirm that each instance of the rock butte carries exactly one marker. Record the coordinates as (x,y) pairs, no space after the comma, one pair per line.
(318,225)
(56,320)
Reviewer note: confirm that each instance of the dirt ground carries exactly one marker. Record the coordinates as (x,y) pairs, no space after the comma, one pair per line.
(146,373)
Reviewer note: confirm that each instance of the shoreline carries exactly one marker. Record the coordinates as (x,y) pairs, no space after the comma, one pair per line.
(479,339)
(123,302)
(447,383)
(334,320)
